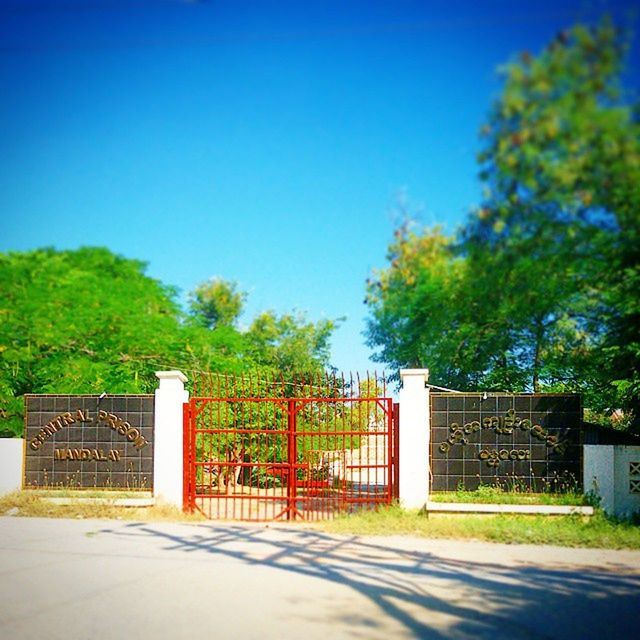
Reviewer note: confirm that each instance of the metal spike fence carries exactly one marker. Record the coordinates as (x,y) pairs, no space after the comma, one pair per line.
(309,446)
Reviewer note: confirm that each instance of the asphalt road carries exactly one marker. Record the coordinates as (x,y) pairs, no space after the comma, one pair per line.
(96,579)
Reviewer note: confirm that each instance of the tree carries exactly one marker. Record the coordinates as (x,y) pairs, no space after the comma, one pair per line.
(549,263)
(80,321)
(415,318)
(216,303)
(89,321)
(286,343)
(427,308)
(562,161)
(290,342)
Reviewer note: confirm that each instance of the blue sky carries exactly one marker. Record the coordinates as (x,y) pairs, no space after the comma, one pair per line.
(263,142)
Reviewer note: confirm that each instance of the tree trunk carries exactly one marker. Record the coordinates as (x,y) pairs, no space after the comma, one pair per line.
(536,356)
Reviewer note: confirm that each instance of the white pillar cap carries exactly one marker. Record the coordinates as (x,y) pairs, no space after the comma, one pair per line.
(171,375)
(405,373)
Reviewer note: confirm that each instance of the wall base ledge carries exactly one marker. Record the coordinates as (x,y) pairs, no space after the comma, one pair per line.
(530,509)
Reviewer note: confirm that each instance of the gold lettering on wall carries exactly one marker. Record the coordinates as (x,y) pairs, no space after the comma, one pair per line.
(494,456)
(87,455)
(120,426)
(504,426)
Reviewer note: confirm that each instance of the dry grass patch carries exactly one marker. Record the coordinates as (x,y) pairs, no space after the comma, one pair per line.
(36,504)
(597,531)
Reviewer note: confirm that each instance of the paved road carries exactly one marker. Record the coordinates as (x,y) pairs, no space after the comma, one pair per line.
(77,579)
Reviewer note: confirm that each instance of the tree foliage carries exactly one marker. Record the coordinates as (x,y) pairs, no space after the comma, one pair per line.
(417,307)
(290,342)
(89,321)
(545,294)
(217,303)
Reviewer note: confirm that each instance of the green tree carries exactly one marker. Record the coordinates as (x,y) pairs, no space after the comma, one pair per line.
(286,343)
(427,309)
(216,303)
(88,321)
(80,321)
(290,342)
(413,304)
(562,163)
(548,265)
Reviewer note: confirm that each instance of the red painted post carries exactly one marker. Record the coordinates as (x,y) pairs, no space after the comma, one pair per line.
(193,455)
(292,460)
(187,461)
(395,426)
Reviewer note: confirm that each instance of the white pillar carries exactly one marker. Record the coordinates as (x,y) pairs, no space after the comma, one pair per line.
(167,446)
(414,438)
(11,460)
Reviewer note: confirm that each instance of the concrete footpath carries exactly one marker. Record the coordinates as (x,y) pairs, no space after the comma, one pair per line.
(77,579)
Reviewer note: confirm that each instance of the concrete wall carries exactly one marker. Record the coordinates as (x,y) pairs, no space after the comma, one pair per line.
(598,474)
(613,472)
(168,461)
(11,456)
(627,501)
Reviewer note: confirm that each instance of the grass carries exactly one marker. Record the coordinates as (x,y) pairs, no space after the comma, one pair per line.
(596,531)
(34,504)
(486,494)
(90,493)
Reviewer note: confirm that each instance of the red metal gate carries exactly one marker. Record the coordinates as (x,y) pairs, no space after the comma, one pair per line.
(302,447)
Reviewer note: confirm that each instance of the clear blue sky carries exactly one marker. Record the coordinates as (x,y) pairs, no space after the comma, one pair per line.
(264,142)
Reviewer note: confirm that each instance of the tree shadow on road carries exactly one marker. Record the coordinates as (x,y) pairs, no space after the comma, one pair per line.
(428,595)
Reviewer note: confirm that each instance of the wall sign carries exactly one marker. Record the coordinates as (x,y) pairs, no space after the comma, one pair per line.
(89,442)
(528,441)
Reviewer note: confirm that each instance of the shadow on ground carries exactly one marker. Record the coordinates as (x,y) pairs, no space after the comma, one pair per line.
(428,595)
